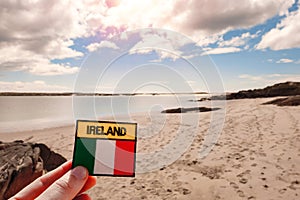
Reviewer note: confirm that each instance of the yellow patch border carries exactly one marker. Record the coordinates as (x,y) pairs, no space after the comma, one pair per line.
(106,130)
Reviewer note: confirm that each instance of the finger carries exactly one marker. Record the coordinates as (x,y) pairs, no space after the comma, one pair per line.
(42,183)
(68,186)
(82,197)
(89,183)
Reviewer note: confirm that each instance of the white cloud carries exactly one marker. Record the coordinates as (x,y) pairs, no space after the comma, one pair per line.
(171,55)
(162,55)
(285,60)
(59,49)
(235,41)
(103,44)
(221,50)
(235,44)
(238,40)
(166,40)
(250,77)
(14,58)
(49,69)
(142,51)
(43,27)
(164,44)
(34,86)
(45,30)
(204,21)
(284,35)
(32,33)
(274,75)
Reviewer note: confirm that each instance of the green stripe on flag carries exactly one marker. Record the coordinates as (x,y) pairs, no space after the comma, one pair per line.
(84,154)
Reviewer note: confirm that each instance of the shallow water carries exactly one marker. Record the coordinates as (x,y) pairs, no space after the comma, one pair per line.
(20,113)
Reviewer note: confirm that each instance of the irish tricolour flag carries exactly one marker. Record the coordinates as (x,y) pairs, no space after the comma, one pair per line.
(105,148)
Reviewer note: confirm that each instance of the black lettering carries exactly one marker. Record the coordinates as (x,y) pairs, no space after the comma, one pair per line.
(90,130)
(100,130)
(110,131)
(117,130)
(123,131)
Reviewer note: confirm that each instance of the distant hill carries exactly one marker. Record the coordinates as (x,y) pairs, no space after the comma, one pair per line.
(279,89)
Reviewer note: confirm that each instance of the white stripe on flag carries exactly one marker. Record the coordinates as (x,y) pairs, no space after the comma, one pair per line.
(105,157)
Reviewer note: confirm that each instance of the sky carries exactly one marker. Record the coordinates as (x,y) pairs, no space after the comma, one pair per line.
(147,46)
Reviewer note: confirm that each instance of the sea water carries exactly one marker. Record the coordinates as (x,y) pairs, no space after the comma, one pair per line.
(22,113)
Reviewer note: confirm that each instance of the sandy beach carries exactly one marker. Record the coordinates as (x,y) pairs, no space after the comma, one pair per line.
(257,156)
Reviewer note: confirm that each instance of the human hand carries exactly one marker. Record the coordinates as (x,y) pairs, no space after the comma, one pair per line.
(61,183)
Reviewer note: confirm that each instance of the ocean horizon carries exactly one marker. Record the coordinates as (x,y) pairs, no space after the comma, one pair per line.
(25,113)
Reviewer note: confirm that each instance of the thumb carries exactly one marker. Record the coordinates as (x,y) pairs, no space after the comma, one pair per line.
(68,186)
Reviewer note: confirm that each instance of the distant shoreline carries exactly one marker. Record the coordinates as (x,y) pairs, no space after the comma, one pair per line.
(280,89)
(90,94)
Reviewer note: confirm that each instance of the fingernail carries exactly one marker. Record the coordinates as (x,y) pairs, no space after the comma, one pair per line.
(79,172)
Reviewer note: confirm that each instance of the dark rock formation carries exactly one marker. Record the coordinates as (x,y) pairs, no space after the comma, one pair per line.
(50,158)
(185,110)
(280,89)
(21,163)
(289,101)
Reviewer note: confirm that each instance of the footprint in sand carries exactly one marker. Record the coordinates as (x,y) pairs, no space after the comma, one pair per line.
(243,180)
(234,185)
(254,165)
(240,193)
(283,190)
(183,191)
(237,166)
